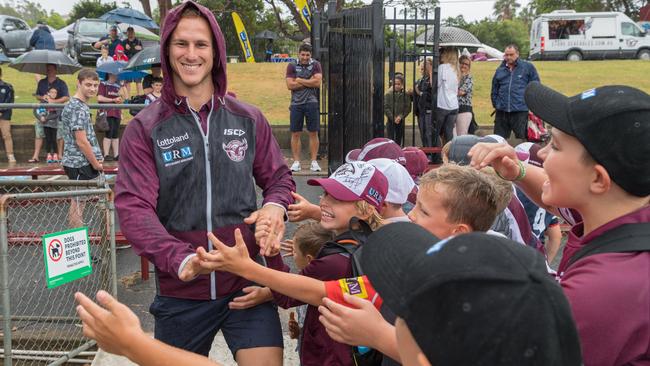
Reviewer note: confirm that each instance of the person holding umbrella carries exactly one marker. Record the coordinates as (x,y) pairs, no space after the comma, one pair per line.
(51,81)
(112,40)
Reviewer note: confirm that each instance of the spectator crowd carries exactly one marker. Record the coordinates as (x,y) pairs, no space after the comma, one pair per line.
(398,263)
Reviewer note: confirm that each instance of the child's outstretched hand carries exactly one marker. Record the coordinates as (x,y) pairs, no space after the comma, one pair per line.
(294,327)
(302,209)
(287,247)
(224,258)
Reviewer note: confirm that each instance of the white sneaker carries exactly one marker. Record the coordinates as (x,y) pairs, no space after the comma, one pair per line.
(11,158)
(314,166)
(295,167)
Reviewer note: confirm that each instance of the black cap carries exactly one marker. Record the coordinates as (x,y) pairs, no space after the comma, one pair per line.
(474,299)
(612,123)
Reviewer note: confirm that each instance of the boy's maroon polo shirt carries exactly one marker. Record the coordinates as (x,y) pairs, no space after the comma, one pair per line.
(609,295)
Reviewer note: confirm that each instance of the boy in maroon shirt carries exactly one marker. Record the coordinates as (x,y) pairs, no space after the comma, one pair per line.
(596,164)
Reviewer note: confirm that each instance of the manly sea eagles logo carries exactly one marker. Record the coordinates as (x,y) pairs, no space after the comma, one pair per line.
(236,149)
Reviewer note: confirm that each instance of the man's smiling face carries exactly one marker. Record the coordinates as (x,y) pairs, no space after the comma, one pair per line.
(191,54)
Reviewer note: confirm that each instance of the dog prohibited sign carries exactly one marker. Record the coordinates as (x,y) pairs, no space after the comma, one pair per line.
(67,256)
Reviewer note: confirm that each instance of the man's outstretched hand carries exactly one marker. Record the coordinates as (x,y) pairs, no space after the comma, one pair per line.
(269,228)
(112,324)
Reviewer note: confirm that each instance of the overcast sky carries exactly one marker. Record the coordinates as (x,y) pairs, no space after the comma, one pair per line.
(470,9)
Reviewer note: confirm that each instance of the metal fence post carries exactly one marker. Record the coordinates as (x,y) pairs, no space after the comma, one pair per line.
(378,68)
(111,228)
(4,262)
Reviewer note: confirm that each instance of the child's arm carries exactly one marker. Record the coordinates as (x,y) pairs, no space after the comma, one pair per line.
(503,159)
(360,325)
(302,209)
(117,330)
(237,260)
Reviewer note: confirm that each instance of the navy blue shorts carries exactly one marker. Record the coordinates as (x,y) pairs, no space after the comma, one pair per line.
(192,324)
(298,114)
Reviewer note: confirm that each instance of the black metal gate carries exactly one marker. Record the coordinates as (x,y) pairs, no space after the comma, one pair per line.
(351,47)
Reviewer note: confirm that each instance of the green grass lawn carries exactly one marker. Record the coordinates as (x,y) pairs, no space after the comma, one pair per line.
(263,84)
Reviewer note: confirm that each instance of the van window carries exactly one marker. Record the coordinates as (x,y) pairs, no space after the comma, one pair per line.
(602,27)
(629,29)
(562,29)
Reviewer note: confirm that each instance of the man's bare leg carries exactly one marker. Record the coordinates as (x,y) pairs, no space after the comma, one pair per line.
(313,145)
(59,147)
(259,356)
(295,145)
(38,144)
(75,216)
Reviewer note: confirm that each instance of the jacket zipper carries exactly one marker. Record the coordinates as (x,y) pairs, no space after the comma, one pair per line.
(510,88)
(208,186)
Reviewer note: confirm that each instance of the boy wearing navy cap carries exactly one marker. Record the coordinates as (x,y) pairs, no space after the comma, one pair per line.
(596,165)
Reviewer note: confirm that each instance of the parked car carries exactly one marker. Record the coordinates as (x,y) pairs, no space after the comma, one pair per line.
(61,37)
(82,37)
(86,32)
(567,35)
(14,35)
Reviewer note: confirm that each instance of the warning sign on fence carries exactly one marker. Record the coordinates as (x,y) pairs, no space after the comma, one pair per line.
(67,256)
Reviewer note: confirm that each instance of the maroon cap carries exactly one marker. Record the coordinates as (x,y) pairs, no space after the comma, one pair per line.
(416,161)
(376,148)
(355,181)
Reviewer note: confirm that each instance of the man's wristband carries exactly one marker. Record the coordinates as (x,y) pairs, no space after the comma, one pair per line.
(520,176)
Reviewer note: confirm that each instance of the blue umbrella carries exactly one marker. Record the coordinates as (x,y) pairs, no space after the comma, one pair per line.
(129,16)
(130,75)
(114,68)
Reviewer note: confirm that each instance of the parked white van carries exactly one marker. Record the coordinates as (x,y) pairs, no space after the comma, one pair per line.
(567,35)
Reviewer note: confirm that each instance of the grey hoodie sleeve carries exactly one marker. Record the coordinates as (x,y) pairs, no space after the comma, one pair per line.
(136,196)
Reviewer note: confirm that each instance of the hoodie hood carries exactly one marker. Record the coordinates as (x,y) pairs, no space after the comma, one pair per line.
(219,61)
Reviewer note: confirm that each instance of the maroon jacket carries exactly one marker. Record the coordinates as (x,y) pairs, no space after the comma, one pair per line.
(609,295)
(317,348)
(177,182)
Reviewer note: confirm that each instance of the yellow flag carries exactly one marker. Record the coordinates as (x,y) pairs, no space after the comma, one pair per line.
(243,38)
(305,13)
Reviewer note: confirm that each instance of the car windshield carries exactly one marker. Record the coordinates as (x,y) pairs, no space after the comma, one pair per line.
(93,27)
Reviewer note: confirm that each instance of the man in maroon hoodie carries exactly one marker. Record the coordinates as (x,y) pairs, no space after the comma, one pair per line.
(189,164)
(597,165)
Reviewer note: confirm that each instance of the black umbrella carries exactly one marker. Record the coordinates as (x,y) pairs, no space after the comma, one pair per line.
(36,62)
(266,34)
(145,59)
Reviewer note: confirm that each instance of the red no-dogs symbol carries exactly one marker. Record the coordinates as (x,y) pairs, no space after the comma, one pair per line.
(55,250)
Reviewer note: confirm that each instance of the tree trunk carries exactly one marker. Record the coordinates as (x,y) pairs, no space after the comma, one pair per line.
(146,6)
(164,6)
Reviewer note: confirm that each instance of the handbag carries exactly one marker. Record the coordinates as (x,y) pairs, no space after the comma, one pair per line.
(101,122)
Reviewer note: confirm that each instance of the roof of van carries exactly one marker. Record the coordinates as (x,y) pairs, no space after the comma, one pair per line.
(572,14)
